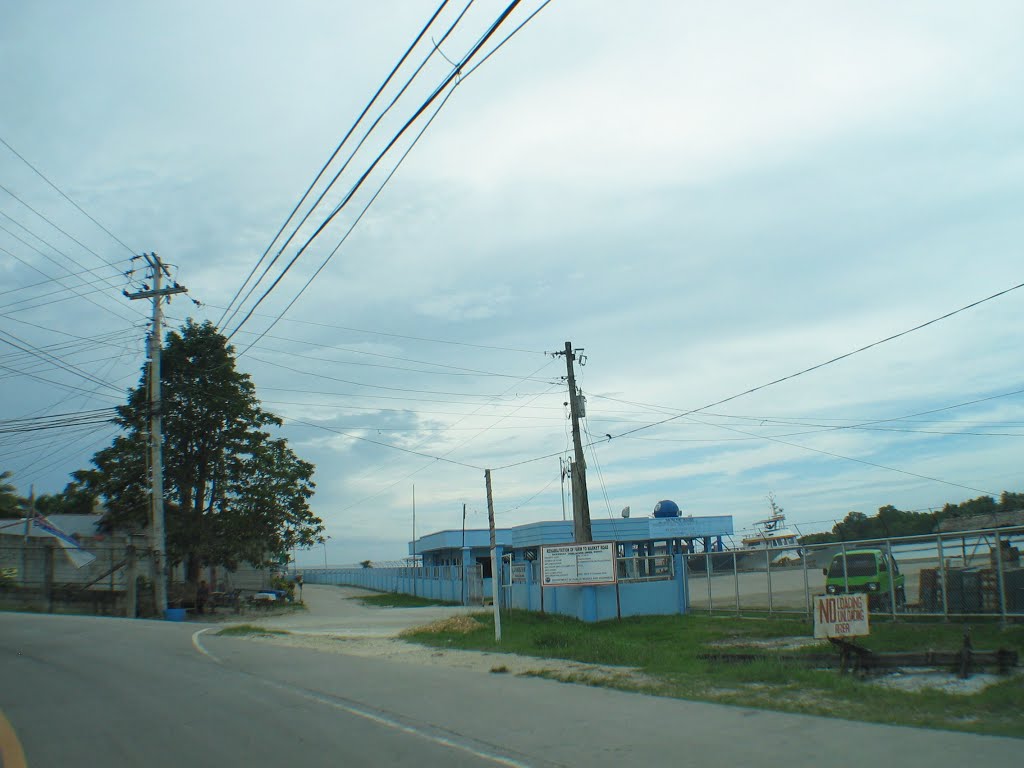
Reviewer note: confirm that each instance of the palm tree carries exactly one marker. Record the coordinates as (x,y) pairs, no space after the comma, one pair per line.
(11,504)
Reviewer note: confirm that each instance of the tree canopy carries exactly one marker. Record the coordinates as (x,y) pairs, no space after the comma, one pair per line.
(891,522)
(11,504)
(233,492)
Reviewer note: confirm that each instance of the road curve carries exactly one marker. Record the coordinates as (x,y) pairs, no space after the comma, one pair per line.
(114,692)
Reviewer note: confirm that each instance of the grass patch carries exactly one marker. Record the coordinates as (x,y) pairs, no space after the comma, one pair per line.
(391,600)
(248,630)
(666,649)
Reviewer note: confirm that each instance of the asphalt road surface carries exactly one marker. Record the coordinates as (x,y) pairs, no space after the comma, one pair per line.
(82,691)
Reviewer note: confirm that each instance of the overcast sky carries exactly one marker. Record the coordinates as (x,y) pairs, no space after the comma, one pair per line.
(705,196)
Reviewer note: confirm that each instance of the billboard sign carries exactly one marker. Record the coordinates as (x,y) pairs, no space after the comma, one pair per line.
(574,565)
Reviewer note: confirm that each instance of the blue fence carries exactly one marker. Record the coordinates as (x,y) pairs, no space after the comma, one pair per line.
(641,590)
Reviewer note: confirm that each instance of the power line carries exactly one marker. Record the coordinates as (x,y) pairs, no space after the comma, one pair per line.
(827,362)
(451,77)
(383,444)
(847,458)
(374,386)
(61,193)
(330,160)
(385,333)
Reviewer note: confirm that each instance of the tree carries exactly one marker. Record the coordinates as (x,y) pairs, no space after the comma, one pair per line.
(73,500)
(11,504)
(233,493)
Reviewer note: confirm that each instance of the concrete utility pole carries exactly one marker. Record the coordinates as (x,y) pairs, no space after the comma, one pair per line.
(581,505)
(157,535)
(494,558)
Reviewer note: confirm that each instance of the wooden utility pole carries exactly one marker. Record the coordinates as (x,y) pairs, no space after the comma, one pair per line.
(494,558)
(580,506)
(156,529)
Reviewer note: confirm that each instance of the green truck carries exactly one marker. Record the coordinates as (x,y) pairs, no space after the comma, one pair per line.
(867,570)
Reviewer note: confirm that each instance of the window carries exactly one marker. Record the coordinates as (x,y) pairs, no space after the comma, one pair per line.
(860,565)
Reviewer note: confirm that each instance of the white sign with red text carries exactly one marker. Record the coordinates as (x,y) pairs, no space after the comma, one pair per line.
(841,615)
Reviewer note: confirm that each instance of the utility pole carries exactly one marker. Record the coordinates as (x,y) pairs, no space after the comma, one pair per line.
(494,558)
(580,505)
(157,535)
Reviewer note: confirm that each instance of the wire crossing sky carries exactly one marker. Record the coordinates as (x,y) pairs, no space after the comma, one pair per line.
(787,238)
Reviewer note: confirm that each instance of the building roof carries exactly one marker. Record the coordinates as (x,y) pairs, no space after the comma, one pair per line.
(561,532)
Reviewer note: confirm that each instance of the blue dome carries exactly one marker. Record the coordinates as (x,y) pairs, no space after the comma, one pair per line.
(666,508)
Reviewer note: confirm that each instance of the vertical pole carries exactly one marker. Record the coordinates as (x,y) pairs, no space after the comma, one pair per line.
(581,506)
(892,579)
(768,570)
(561,471)
(707,574)
(736,581)
(1000,580)
(414,525)
(494,559)
(846,572)
(48,576)
(807,583)
(156,445)
(942,578)
(131,582)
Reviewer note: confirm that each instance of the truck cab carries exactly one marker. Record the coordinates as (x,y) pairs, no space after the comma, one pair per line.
(867,570)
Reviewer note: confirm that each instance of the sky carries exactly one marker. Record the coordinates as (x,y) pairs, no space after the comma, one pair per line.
(703,197)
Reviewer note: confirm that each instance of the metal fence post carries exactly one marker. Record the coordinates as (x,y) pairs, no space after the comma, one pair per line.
(768,571)
(846,572)
(48,576)
(807,584)
(1000,580)
(942,578)
(892,578)
(131,583)
(736,581)
(707,570)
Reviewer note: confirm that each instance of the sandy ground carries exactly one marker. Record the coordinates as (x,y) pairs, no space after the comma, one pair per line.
(337,623)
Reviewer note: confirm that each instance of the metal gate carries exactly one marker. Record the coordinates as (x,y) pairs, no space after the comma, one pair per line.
(474,585)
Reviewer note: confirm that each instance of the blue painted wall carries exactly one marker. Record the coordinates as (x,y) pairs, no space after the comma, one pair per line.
(644,598)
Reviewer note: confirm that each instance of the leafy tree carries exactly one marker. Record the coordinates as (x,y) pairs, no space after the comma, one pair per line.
(11,504)
(233,493)
(73,500)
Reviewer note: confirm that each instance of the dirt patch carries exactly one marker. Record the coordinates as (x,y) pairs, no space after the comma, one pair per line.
(935,680)
(462,625)
(400,651)
(771,643)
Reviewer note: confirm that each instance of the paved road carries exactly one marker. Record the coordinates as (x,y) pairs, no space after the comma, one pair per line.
(114,692)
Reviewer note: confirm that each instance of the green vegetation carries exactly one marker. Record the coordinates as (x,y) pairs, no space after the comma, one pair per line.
(666,649)
(891,522)
(234,492)
(390,600)
(247,630)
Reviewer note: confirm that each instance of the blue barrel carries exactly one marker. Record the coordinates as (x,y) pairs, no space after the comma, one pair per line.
(174,614)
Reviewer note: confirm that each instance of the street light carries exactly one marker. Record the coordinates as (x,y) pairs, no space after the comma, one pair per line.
(324,542)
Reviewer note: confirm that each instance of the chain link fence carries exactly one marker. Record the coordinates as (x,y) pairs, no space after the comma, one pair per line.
(964,574)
